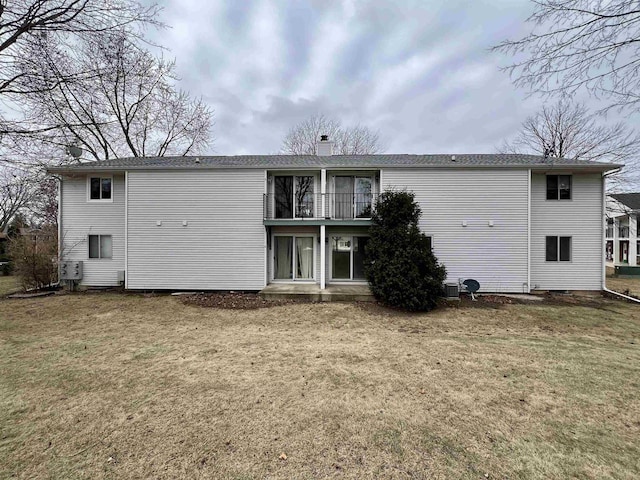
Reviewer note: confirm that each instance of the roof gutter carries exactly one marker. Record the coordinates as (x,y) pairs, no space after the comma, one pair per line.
(604,168)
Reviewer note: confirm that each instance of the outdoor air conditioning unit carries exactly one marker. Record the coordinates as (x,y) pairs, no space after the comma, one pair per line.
(71,270)
(452,290)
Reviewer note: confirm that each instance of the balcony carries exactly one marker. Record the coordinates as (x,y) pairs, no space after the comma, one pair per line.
(319,206)
(623,232)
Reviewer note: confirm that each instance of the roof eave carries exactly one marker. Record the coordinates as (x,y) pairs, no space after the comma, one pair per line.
(595,167)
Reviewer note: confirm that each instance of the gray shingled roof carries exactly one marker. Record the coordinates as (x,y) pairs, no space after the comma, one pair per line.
(630,200)
(334,161)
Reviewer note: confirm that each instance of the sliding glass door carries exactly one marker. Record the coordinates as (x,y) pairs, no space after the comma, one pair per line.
(283,190)
(343,197)
(293,196)
(293,257)
(353,197)
(347,257)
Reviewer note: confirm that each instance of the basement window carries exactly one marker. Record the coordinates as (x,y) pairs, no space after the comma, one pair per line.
(558,187)
(100,246)
(100,188)
(558,249)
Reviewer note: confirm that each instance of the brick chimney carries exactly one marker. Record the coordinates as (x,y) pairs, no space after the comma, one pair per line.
(324,148)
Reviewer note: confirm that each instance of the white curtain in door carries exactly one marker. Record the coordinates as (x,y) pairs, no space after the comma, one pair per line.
(304,250)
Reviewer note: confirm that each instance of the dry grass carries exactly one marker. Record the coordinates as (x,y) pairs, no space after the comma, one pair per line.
(123,386)
(9,284)
(624,285)
(628,286)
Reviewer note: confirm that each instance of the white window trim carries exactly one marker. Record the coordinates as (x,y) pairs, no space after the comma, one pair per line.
(101,200)
(99,257)
(272,258)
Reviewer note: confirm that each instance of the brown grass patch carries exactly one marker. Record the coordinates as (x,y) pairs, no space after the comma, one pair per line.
(124,386)
(628,286)
(9,284)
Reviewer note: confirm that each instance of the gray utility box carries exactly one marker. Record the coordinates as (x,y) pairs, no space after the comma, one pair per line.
(71,270)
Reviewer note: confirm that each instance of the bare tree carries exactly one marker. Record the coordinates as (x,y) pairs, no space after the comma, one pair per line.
(566,130)
(43,205)
(302,138)
(129,107)
(26,24)
(16,190)
(581,44)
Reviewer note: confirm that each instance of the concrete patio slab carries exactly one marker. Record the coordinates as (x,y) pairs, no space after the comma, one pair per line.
(313,292)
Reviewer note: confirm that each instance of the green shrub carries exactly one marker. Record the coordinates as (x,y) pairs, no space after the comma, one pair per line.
(400,266)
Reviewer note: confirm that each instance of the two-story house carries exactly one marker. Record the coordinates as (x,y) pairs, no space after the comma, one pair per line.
(621,244)
(515,223)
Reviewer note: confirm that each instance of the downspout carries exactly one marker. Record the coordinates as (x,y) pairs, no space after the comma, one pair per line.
(602,243)
(529,233)
(126,229)
(60,239)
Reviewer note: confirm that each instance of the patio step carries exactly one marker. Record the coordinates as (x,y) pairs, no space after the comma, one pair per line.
(312,292)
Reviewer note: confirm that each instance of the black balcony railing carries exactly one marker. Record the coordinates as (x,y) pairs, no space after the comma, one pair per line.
(336,206)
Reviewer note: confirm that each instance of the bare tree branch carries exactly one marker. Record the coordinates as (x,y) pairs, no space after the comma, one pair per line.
(26,24)
(129,107)
(15,193)
(302,138)
(581,44)
(566,130)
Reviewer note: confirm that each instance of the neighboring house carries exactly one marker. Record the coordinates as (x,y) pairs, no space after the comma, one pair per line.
(621,244)
(515,223)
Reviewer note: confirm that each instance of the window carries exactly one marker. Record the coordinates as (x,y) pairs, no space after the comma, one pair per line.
(558,249)
(100,188)
(558,187)
(100,246)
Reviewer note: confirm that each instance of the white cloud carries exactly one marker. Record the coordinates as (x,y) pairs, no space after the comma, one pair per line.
(418,71)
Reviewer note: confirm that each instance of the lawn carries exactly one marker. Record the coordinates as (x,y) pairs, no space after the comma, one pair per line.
(8,284)
(126,386)
(628,286)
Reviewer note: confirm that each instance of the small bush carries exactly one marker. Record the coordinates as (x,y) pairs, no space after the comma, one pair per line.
(34,258)
(400,266)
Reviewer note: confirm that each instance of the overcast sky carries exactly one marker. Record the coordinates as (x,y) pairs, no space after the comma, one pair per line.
(420,72)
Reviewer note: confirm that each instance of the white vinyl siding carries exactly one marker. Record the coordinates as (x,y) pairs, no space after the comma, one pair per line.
(80,218)
(579,218)
(222,245)
(495,256)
